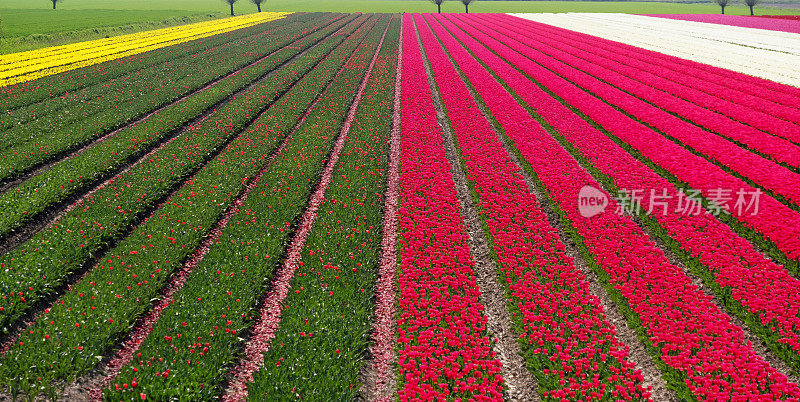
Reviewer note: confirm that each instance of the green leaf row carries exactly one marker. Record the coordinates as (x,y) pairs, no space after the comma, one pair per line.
(31,146)
(73,82)
(201,57)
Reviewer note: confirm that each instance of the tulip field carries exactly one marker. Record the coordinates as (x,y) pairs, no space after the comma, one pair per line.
(328,206)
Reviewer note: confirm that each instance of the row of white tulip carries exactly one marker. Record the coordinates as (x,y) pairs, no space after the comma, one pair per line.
(752,37)
(772,55)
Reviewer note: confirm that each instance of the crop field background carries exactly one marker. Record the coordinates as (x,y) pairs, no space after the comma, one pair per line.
(25,25)
(283,205)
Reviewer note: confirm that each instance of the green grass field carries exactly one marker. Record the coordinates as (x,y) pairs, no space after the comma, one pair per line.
(390,6)
(24,27)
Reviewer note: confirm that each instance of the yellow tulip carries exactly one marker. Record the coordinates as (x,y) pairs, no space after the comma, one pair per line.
(27,66)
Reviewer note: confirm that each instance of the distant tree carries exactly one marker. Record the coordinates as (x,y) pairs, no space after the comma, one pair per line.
(54,3)
(751,4)
(723,4)
(230,2)
(257,3)
(438,4)
(466,4)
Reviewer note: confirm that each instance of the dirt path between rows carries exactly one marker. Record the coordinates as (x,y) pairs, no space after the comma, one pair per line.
(380,382)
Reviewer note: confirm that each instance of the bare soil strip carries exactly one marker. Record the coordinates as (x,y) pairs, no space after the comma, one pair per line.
(270,312)
(380,382)
(518,381)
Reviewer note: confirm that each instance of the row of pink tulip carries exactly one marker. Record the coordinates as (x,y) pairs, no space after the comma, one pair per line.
(783,25)
(721,114)
(443,348)
(698,347)
(778,223)
(565,334)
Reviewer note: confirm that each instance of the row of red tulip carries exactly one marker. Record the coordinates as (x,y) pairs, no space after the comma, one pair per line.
(700,351)
(565,336)
(690,70)
(444,351)
(786,23)
(680,82)
(100,308)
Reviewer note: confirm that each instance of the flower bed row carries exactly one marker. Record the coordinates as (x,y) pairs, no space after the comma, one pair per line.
(444,350)
(759,69)
(39,266)
(28,66)
(759,291)
(200,335)
(138,67)
(758,87)
(37,195)
(701,353)
(741,21)
(102,306)
(783,17)
(566,340)
(74,82)
(775,225)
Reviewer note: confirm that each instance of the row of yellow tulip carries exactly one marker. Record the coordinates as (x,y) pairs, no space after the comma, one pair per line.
(27,66)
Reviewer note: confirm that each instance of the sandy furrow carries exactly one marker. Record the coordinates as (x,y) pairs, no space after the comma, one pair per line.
(380,380)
